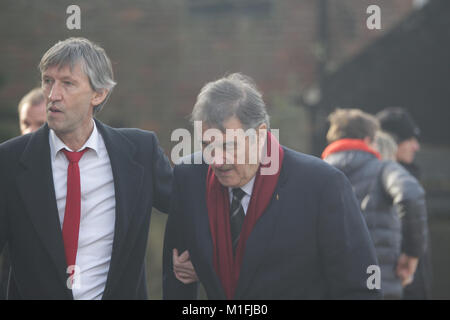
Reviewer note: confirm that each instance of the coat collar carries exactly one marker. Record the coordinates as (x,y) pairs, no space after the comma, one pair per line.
(203,235)
(261,235)
(128,179)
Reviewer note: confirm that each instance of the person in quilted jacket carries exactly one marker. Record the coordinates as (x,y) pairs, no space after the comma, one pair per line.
(392,201)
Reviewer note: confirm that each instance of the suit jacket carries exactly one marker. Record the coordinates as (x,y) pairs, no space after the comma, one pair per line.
(29,221)
(310,243)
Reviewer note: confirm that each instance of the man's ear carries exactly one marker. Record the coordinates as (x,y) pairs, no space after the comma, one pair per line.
(262,130)
(368,141)
(99,97)
(262,136)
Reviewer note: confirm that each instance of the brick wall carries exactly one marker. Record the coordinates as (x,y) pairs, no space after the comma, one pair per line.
(164,51)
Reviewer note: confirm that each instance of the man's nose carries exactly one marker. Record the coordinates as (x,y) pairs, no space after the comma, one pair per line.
(55,92)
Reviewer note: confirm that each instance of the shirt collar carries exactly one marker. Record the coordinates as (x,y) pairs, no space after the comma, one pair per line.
(56,144)
(247,188)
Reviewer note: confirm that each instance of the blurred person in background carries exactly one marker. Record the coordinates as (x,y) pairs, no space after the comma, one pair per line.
(32,111)
(32,115)
(400,125)
(386,192)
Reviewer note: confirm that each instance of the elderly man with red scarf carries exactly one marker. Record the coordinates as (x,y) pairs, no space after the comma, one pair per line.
(265,222)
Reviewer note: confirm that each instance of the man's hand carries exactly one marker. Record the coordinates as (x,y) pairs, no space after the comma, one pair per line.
(406,266)
(183,268)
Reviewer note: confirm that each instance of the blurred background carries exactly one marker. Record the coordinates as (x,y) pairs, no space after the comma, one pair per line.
(307,56)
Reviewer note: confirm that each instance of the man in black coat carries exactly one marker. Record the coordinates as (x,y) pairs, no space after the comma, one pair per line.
(76,195)
(285,226)
(401,126)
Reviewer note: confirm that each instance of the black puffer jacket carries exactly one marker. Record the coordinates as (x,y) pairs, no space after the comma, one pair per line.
(393,204)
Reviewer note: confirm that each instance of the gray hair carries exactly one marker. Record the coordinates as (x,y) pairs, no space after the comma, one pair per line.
(385,144)
(94,62)
(233,95)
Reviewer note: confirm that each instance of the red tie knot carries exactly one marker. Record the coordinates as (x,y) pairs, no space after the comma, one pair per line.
(74,157)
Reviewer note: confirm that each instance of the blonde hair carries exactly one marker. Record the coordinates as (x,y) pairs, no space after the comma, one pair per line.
(385,144)
(351,124)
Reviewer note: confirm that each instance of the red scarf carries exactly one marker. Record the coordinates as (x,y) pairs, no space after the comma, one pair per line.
(226,266)
(348,144)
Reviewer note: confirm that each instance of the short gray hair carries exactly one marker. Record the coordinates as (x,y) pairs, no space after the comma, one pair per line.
(94,62)
(233,95)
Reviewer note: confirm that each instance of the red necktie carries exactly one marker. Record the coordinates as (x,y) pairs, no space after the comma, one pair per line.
(71,224)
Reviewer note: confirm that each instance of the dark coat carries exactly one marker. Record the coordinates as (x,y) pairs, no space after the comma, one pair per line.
(393,204)
(29,221)
(421,287)
(310,243)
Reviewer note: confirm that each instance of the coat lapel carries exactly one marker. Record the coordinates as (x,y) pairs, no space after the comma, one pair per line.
(35,184)
(128,179)
(260,237)
(257,242)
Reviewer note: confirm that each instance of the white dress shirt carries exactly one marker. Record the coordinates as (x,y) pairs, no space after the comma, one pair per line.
(248,189)
(97,216)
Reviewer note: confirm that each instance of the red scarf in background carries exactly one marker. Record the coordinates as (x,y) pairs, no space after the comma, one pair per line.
(348,144)
(226,266)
